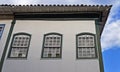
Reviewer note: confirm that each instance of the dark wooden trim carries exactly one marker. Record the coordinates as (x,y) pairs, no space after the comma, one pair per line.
(38,16)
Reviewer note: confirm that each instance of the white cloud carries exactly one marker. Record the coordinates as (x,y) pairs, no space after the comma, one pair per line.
(23,2)
(111,35)
(79,2)
(114,11)
(57,2)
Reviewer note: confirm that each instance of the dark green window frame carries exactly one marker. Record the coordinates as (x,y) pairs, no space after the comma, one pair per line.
(87,50)
(52,46)
(1,29)
(22,45)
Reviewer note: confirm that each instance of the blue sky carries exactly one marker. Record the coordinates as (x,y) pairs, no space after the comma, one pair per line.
(110,39)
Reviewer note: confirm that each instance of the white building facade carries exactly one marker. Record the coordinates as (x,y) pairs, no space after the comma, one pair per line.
(51,38)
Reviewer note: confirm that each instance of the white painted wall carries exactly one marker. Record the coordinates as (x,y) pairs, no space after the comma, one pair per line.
(68,62)
(4,35)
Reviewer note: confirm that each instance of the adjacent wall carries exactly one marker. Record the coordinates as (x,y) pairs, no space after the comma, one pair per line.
(4,35)
(34,62)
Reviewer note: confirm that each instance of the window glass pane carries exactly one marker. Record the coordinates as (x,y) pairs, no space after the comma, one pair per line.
(86,41)
(52,41)
(86,52)
(1,29)
(18,52)
(21,41)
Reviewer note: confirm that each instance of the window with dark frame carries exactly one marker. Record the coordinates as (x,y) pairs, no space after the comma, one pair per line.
(86,45)
(52,45)
(1,29)
(20,45)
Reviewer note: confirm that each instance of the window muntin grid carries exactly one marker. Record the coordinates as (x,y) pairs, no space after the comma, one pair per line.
(21,41)
(52,45)
(18,52)
(20,45)
(52,41)
(1,29)
(86,53)
(86,45)
(86,41)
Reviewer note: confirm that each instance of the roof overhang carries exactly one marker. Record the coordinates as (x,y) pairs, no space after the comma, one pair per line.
(56,11)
